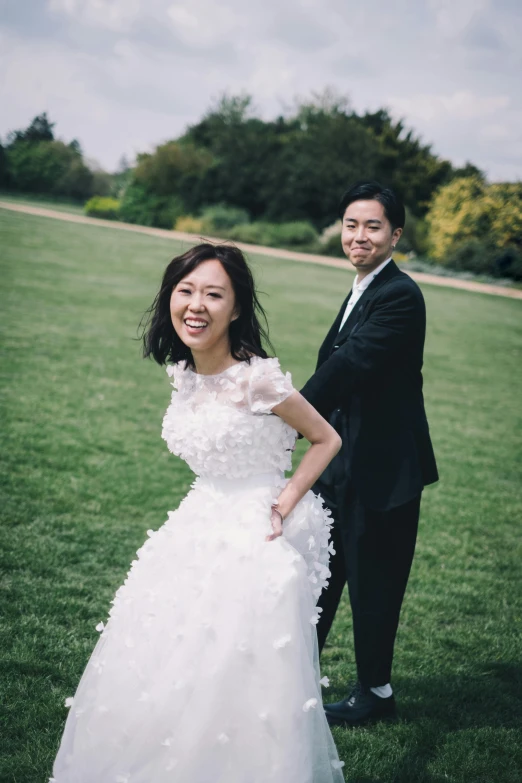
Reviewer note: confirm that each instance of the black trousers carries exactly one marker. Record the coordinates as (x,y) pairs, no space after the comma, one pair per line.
(374,552)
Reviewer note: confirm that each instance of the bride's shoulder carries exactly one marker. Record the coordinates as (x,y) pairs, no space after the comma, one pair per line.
(261,364)
(268,384)
(259,367)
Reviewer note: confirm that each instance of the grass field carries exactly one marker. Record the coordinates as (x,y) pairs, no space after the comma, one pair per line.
(61,204)
(85,473)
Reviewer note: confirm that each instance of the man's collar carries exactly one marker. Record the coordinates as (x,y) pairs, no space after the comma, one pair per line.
(365,282)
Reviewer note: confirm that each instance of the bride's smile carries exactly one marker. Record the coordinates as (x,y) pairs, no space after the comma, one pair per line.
(202,307)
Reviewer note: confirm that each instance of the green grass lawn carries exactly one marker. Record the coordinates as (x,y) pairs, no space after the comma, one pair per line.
(85,473)
(46,201)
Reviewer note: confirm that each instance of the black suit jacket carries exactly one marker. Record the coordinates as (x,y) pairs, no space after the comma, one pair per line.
(368,383)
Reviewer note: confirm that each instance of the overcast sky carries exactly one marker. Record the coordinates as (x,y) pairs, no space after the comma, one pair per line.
(124,75)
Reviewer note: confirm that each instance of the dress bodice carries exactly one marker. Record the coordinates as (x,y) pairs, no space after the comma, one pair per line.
(222,425)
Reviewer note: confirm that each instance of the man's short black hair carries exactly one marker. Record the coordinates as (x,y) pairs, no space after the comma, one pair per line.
(374,191)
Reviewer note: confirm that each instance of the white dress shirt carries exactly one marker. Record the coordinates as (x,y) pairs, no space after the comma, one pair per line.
(359,288)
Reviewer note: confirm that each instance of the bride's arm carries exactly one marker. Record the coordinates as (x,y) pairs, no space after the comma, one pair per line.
(325,443)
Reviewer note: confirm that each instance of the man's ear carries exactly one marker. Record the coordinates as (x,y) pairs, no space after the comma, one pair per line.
(396,235)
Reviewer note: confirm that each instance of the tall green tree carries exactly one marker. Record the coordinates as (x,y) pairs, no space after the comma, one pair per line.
(4,168)
(243,149)
(165,184)
(324,149)
(48,167)
(40,129)
(36,162)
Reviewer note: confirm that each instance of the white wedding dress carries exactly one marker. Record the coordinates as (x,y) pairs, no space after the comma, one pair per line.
(207,669)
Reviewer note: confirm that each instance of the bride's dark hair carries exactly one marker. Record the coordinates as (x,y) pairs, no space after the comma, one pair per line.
(246,332)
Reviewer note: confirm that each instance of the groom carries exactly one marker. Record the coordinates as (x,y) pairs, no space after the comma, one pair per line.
(368,383)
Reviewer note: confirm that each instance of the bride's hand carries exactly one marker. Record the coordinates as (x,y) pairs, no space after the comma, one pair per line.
(276,521)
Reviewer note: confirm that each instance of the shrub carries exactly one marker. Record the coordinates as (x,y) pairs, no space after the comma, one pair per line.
(190,225)
(103,207)
(457,216)
(5,175)
(468,209)
(172,168)
(298,234)
(482,258)
(221,218)
(330,241)
(508,263)
(140,206)
(102,183)
(472,256)
(332,247)
(414,236)
(258,233)
(477,227)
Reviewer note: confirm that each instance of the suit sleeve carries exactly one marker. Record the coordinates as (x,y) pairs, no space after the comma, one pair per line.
(397,318)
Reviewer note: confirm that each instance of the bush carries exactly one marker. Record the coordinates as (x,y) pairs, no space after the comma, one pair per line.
(189,225)
(509,263)
(332,246)
(472,256)
(414,236)
(470,209)
(297,235)
(103,207)
(102,183)
(477,227)
(221,218)
(258,233)
(140,206)
(5,176)
(172,169)
(330,240)
(482,258)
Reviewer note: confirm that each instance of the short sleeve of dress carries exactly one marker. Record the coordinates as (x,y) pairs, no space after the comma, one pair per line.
(268,386)
(175,373)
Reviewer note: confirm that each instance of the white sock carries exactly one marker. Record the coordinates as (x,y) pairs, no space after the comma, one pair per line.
(383,691)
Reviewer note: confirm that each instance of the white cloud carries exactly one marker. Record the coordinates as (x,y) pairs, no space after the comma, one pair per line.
(114,14)
(203,23)
(495,132)
(453,16)
(466,126)
(460,105)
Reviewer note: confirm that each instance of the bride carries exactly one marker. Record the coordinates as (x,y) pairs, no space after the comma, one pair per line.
(207,669)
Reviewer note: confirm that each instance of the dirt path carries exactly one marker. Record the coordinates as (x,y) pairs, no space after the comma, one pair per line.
(307,258)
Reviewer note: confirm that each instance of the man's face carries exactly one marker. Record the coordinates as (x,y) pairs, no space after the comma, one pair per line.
(367,235)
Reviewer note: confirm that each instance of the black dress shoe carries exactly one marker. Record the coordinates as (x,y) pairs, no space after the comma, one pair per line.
(360,707)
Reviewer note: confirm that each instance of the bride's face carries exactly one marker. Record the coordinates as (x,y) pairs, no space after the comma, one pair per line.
(202,307)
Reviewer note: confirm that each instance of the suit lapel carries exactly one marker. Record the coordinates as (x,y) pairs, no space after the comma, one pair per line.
(355,317)
(326,347)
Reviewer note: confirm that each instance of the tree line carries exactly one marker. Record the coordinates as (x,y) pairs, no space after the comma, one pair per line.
(278,181)
(292,168)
